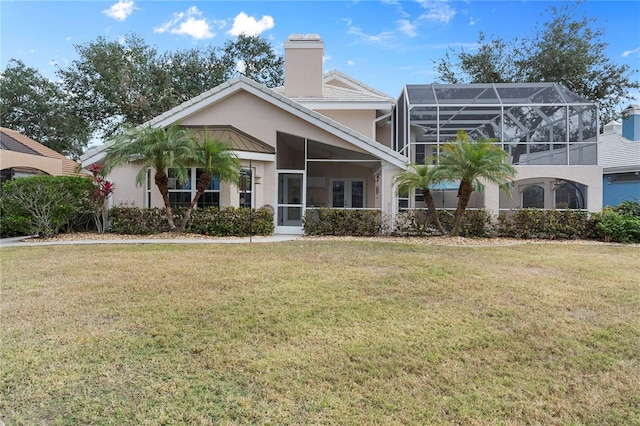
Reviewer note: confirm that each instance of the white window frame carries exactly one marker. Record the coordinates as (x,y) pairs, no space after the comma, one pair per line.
(249,188)
(192,190)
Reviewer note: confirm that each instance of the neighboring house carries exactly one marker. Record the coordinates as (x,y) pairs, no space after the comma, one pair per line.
(549,133)
(21,156)
(619,156)
(327,140)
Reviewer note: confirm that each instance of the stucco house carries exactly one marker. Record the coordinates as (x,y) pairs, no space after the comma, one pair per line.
(21,156)
(619,156)
(313,143)
(328,140)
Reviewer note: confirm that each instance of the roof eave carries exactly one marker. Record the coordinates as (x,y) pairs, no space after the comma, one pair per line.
(346,105)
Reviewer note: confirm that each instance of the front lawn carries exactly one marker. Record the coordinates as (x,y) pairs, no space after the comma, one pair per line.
(320,332)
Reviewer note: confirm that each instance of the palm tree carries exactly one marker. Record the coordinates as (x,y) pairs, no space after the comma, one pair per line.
(471,161)
(216,158)
(421,176)
(158,148)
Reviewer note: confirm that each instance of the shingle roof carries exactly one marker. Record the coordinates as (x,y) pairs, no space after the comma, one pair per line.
(337,75)
(25,145)
(11,144)
(338,94)
(358,93)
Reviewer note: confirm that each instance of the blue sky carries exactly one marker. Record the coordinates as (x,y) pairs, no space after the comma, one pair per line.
(385,44)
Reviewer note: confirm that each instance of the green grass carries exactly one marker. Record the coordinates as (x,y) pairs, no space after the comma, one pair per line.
(316,332)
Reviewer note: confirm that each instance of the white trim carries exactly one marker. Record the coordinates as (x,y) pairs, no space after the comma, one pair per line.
(95,154)
(302,202)
(337,160)
(345,105)
(247,155)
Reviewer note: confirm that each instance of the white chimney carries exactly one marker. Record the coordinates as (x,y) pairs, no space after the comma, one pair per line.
(303,65)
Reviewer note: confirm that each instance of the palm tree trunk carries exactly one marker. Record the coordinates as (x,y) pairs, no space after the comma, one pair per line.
(201,186)
(464,194)
(162,182)
(428,198)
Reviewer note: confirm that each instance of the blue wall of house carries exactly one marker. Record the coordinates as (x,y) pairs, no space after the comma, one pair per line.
(631,127)
(613,193)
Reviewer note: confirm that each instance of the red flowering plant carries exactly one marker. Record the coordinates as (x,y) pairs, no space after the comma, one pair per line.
(102,189)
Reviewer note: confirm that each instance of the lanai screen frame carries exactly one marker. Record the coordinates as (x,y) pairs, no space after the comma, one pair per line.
(536,123)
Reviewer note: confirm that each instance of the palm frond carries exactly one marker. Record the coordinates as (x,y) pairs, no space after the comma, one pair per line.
(218,159)
(155,147)
(474,160)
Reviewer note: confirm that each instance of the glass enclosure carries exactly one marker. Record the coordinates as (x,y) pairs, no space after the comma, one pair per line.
(536,123)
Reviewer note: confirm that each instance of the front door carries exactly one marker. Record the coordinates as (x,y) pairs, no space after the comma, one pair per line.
(289,202)
(347,193)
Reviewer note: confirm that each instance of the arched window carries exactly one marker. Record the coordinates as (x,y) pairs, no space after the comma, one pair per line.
(569,195)
(533,197)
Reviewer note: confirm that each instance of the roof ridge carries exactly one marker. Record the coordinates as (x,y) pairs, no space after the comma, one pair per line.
(355,81)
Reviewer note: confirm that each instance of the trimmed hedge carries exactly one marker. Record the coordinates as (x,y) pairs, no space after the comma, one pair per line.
(475,224)
(231,221)
(137,221)
(525,223)
(547,224)
(212,221)
(360,223)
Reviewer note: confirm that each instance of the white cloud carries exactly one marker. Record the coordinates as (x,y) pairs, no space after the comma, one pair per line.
(627,53)
(351,63)
(398,5)
(241,66)
(375,38)
(438,11)
(120,10)
(245,24)
(407,28)
(189,23)
(473,21)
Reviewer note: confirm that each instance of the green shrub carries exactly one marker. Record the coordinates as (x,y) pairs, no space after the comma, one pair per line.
(138,221)
(546,224)
(629,207)
(212,221)
(231,221)
(343,222)
(46,205)
(476,224)
(619,227)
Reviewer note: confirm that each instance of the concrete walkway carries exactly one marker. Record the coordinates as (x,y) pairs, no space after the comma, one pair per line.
(20,241)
